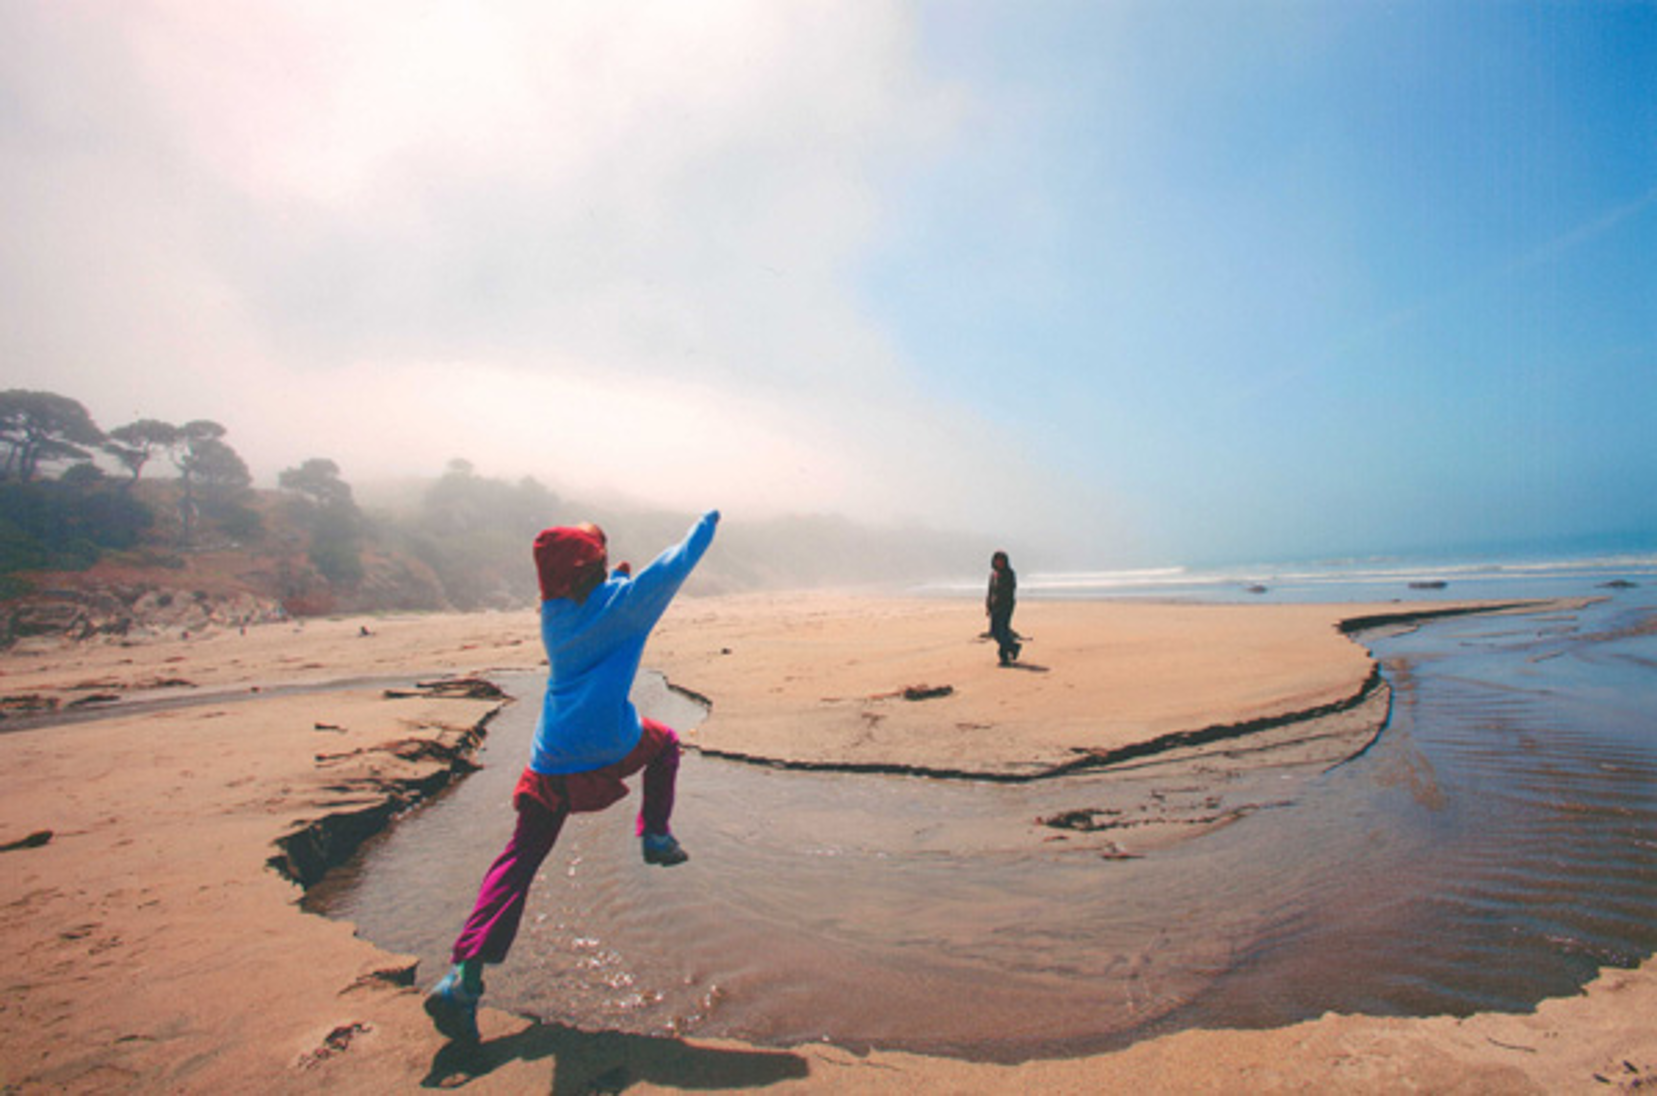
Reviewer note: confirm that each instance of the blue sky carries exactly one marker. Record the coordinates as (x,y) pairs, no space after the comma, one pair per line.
(1301,277)
(1121,282)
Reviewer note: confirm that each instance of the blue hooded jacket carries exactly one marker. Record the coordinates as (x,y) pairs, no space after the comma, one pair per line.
(593,653)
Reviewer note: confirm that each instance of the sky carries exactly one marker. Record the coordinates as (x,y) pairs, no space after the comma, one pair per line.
(1126,281)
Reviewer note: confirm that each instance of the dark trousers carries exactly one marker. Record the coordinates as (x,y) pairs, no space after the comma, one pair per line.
(1001,630)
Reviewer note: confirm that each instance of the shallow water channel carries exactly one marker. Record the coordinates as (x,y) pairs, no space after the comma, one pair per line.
(1493,847)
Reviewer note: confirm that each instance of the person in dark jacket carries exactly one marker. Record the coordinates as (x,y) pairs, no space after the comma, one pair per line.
(998,603)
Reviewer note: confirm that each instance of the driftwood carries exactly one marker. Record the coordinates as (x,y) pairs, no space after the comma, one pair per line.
(33,841)
(477,689)
(915,693)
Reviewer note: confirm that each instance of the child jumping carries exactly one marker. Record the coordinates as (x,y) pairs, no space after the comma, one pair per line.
(588,737)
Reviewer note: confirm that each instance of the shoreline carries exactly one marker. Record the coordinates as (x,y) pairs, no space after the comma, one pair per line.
(155,875)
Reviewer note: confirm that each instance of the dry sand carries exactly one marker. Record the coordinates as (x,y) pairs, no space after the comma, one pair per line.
(154,949)
(829,686)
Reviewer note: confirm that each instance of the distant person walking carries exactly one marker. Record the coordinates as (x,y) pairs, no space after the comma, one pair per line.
(588,737)
(998,603)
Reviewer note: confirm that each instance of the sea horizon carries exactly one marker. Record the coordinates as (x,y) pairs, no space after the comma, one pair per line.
(1453,575)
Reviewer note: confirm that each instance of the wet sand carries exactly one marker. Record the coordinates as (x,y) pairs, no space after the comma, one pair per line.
(156,950)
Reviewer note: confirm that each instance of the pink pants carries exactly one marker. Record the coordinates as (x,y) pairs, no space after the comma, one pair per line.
(543,803)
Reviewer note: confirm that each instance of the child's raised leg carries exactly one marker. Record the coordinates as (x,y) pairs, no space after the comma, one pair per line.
(657,807)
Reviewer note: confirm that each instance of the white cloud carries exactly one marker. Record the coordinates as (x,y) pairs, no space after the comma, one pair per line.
(611,246)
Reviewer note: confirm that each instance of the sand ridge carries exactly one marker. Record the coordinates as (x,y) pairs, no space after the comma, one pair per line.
(914,685)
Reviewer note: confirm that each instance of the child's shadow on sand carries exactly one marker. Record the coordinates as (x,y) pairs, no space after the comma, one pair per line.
(610,1062)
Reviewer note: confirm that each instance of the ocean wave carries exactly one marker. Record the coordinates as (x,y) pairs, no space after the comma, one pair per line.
(1356,575)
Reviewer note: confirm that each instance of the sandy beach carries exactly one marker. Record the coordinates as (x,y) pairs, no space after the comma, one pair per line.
(158,832)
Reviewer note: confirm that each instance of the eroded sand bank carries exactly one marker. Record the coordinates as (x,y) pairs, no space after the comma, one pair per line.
(154,948)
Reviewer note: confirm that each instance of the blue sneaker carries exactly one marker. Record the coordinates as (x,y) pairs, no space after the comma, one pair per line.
(663,849)
(454,1009)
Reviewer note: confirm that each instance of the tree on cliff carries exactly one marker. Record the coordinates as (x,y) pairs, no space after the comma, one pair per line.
(43,426)
(335,522)
(318,479)
(473,532)
(64,524)
(213,476)
(134,444)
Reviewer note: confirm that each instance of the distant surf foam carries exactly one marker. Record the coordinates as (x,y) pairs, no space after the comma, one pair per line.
(1364,579)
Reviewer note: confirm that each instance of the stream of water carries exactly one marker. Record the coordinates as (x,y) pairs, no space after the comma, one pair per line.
(1494,847)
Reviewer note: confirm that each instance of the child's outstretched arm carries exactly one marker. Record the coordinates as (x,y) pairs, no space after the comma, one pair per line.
(649,593)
